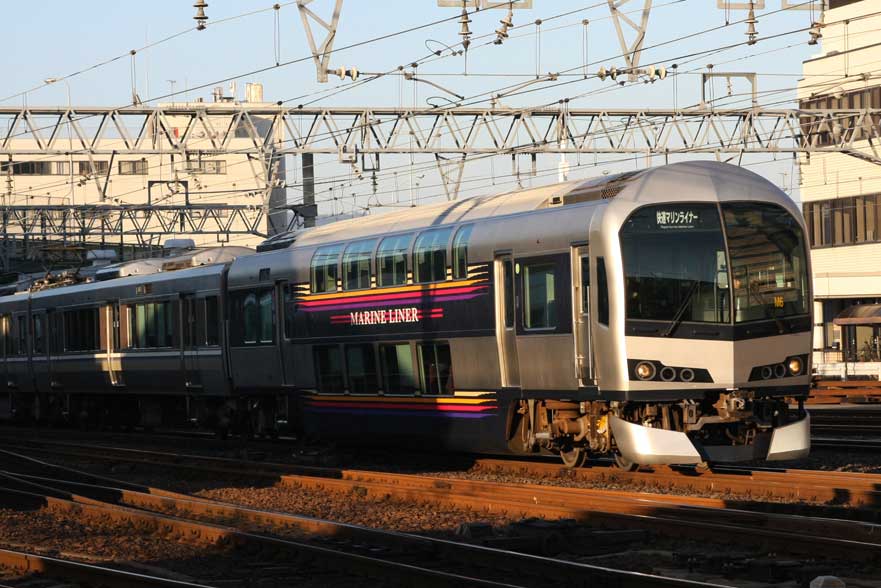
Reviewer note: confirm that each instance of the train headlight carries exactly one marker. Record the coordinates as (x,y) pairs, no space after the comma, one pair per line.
(794,366)
(645,370)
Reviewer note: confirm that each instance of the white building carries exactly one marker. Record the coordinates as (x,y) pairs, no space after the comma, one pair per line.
(206,175)
(841,194)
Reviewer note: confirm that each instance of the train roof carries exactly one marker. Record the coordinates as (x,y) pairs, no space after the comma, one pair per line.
(697,180)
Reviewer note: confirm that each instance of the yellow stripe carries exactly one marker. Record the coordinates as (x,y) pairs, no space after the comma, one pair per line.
(417,399)
(373,292)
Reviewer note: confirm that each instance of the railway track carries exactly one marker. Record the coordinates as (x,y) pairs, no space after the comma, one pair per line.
(672,516)
(403,556)
(28,566)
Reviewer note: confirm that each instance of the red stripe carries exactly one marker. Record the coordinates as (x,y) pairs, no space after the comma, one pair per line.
(405,406)
(402,295)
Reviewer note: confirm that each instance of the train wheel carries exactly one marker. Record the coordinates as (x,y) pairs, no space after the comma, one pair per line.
(625,464)
(573,457)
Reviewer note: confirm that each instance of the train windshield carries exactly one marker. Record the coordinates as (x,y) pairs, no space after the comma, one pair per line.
(675,264)
(768,261)
(676,267)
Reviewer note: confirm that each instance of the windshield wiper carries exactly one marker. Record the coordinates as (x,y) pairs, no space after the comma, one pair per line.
(680,312)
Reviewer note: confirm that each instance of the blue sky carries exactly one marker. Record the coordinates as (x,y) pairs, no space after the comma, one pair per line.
(66,37)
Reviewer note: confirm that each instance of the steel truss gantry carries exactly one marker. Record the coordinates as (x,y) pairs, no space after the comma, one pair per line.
(451,135)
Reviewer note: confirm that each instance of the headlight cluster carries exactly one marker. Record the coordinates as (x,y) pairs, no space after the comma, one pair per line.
(654,371)
(790,367)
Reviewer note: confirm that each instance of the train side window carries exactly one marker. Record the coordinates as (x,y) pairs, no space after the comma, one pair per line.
(361,369)
(152,325)
(212,321)
(391,260)
(397,369)
(460,252)
(436,368)
(328,368)
(324,268)
(430,256)
(602,293)
(508,269)
(251,314)
(267,316)
(5,335)
(39,339)
(290,311)
(539,296)
(81,330)
(22,347)
(356,265)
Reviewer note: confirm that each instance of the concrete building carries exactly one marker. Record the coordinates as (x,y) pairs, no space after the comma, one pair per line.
(204,175)
(841,194)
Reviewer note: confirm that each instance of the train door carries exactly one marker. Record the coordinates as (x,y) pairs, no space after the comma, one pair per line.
(40,347)
(285,330)
(505,313)
(189,349)
(581,315)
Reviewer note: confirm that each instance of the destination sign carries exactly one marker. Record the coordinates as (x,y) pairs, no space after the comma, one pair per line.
(677,219)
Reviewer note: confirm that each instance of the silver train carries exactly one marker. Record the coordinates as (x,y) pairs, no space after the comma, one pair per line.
(662,316)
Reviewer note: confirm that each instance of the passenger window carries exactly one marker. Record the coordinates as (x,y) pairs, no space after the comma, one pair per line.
(356,265)
(267,317)
(22,348)
(324,269)
(328,368)
(212,320)
(585,284)
(5,335)
(602,293)
(253,317)
(39,334)
(361,369)
(540,296)
(436,368)
(460,252)
(81,330)
(152,326)
(391,260)
(430,256)
(508,270)
(290,311)
(397,369)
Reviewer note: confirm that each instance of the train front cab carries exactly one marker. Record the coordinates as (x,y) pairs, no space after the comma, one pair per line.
(711,331)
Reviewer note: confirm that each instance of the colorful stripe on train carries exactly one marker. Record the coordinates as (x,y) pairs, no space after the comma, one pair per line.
(463,405)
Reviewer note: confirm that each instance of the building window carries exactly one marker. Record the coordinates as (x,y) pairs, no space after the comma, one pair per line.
(460,252)
(843,221)
(391,260)
(361,369)
(397,369)
(84,168)
(324,269)
(430,256)
(356,265)
(37,168)
(134,167)
(253,317)
(328,369)
(602,293)
(436,368)
(539,296)
(152,325)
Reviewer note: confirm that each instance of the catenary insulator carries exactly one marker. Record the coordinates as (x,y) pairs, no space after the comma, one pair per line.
(200,17)
(465,31)
(751,21)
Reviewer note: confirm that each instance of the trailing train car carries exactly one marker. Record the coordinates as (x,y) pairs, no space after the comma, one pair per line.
(662,316)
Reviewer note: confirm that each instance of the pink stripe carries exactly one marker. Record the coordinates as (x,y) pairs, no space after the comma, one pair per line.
(380,297)
(405,406)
